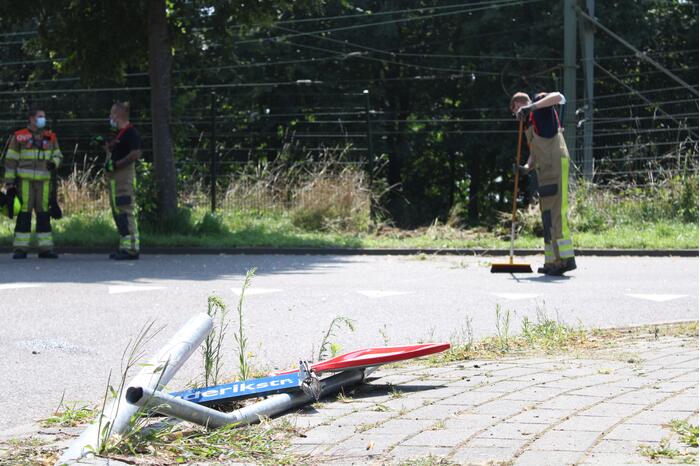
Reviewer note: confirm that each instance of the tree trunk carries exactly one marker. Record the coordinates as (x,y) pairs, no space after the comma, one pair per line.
(159,71)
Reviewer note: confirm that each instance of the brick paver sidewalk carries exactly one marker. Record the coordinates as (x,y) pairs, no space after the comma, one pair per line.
(542,411)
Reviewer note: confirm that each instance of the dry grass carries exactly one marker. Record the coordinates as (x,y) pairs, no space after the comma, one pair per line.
(330,201)
(82,191)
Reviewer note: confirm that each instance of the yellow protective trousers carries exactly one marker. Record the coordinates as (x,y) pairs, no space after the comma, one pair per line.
(551,159)
(35,198)
(122,200)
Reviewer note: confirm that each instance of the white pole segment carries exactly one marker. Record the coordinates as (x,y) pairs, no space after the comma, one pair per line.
(154,375)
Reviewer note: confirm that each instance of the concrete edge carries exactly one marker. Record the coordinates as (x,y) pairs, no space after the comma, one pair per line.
(335,251)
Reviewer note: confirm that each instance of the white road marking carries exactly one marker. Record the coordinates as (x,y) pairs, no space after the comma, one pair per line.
(516,296)
(117,289)
(255,291)
(16,286)
(659,298)
(381,293)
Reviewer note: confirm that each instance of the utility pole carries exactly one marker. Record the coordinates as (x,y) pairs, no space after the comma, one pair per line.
(213,155)
(570,76)
(588,62)
(370,149)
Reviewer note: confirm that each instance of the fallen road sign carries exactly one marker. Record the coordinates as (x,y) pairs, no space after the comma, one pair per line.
(242,389)
(371,357)
(305,378)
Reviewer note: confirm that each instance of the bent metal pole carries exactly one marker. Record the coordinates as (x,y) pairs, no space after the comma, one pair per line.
(153,375)
(166,404)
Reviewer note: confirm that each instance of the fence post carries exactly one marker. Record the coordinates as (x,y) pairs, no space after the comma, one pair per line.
(212,161)
(370,150)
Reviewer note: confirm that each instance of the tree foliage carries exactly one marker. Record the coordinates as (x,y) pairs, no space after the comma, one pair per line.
(289,78)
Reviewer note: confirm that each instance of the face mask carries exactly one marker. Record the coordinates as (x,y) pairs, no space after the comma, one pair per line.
(112,123)
(40,122)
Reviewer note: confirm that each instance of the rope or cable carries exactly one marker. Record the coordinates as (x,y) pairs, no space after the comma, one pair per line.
(646,91)
(665,52)
(605,133)
(663,102)
(494,4)
(639,53)
(19,33)
(641,96)
(360,15)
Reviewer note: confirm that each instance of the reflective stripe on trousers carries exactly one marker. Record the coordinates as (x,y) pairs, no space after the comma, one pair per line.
(122,201)
(35,199)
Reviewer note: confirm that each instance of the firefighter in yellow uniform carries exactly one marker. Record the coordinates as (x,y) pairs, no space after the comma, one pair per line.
(549,157)
(32,153)
(122,153)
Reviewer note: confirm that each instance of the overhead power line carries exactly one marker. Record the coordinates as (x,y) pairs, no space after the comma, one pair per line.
(641,96)
(645,91)
(661,102)
(663,53)
(638,52)
(393,21)
(368,14)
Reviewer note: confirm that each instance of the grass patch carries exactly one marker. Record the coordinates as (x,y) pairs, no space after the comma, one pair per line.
(678,329)
(549,335)
(70,416)
(543,335)
(329,347)
(233,229)
(329,207)
(265,443)
(687,434)
(213,343)
(546,335)
(431,460)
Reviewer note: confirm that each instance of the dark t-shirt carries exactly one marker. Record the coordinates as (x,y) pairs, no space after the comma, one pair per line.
(125,142)
(546,121)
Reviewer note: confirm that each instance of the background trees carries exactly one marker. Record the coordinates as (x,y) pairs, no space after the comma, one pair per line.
(282,79)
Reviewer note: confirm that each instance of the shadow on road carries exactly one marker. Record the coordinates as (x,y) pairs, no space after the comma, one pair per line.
(97,268)
(542,279)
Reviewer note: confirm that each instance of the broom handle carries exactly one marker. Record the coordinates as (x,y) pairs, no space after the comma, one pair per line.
(515,189)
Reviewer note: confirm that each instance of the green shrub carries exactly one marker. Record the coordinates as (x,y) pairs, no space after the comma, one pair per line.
(178,223)
(211,225)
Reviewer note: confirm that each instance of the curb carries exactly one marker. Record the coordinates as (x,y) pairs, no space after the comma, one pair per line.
(373,251)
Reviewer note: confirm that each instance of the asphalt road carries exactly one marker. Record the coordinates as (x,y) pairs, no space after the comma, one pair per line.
(65,323)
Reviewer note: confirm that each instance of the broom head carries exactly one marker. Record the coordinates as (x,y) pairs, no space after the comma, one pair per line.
(510,268)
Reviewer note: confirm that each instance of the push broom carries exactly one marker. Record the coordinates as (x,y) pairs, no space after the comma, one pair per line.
(512,267)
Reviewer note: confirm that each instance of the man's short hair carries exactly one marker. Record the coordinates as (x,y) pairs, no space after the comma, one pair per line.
(122,107)
(33,111)
(517,97)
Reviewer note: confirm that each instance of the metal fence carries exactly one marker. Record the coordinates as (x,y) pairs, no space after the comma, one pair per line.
(246,147)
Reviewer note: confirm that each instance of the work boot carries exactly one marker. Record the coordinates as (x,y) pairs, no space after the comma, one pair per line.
(562,267)
(48,255)
(123,255)
(568,265)
(547,269)
(19,255)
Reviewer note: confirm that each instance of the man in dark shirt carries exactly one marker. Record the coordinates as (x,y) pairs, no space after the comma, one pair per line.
(122,153)
(549,156)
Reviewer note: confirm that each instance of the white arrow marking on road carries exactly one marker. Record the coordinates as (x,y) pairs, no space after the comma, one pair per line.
(381,293)
(116,289)
(255,291)
(659,298)
(516,296)
(16,286)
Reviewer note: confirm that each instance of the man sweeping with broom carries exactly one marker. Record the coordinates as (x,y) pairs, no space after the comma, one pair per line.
(549,157)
